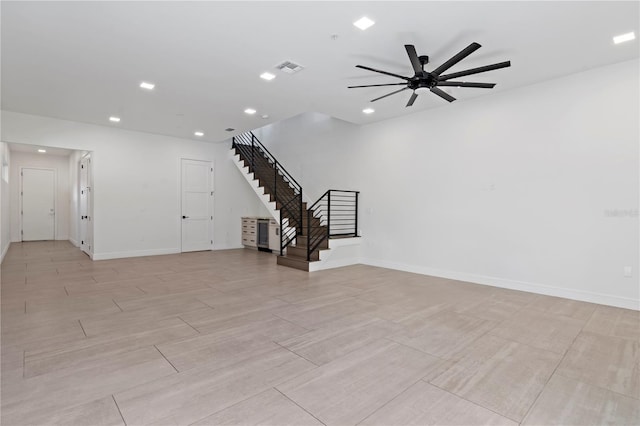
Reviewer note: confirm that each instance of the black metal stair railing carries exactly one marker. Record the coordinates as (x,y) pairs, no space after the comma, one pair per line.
(284,189)
(334,215)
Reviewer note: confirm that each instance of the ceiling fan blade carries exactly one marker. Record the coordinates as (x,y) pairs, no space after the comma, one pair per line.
(466,84)
(475,70)
(413,57)
(377,85)
(444,95)
(382,72)
(389,94)
(457,58)
(412,99)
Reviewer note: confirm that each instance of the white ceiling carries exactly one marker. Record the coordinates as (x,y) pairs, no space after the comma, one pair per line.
(83,61)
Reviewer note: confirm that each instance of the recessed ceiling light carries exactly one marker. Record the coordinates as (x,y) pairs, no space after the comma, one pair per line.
(624,37)
(114,119)
(265,116)
(250,111)
(267,76)
(42,150)
(198,133)
(368,110)
(148,86)
(363,23)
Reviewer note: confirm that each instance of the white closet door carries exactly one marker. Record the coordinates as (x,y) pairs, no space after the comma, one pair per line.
(197,205)
(38,204)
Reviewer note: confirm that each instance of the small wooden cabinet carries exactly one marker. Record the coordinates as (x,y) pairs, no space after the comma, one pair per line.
(250,232)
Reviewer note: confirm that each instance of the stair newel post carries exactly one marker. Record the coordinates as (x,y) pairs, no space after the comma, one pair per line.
(355,230)
(281,236)
(328,213)
(233,142)
(308,233)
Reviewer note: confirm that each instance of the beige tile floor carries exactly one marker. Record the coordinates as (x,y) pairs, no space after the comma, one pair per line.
(231,338)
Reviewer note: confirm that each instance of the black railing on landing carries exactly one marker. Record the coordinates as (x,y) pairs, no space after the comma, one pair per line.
(279,183)
(334,215)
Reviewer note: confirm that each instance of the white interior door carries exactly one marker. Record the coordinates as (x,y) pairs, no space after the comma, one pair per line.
(86,234)
(38,193)
(197,205)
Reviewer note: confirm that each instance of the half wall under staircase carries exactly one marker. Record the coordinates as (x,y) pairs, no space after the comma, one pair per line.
(322,236)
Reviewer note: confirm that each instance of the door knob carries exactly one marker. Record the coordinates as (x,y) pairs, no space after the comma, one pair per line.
(185,217)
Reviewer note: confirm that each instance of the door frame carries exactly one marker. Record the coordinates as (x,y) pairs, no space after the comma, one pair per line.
(89,228)
(55,198)
(211,198)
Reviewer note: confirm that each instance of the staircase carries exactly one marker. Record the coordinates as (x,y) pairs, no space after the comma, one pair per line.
(305,232)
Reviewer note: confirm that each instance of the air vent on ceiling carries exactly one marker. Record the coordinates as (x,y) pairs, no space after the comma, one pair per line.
(229,129)
(289,67)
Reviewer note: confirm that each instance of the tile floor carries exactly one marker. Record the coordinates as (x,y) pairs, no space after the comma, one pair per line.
(231,338)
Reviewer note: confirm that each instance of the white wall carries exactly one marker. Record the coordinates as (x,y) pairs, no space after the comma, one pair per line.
(136,183)
(58,163)
(535,188)
(5,205)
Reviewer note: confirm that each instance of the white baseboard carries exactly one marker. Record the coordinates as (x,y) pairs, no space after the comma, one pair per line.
(74,242)
(229,247)
(141,253)
(331,264)
(136,253)
(584,296)
(4,252)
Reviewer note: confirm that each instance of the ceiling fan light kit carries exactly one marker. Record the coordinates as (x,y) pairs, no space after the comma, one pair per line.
(429,81)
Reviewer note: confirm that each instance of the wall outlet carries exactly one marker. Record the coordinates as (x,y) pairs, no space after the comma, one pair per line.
(627,271)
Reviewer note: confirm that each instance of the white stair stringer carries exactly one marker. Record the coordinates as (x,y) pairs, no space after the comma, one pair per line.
(260,192)
(341,252)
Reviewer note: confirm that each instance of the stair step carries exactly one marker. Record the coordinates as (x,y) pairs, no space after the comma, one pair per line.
(301,253)
(301,241)
(293,262)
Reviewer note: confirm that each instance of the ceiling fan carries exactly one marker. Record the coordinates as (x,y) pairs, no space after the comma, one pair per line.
(425,81)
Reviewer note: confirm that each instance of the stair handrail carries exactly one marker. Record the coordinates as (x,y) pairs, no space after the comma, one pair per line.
(256,142)
(248,139)
(344,222)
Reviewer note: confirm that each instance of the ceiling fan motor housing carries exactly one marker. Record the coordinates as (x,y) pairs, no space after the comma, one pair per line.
(425,80)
